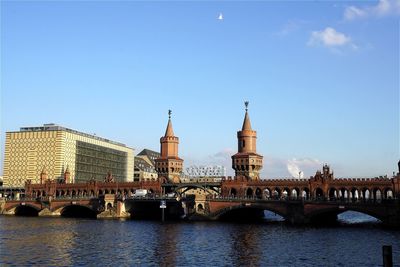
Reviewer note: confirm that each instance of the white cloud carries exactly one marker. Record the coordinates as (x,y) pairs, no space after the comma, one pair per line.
(330,38)
(301,167)
(382,9)
(353,12)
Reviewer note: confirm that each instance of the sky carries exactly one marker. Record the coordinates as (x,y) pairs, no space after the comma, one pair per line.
(322,78)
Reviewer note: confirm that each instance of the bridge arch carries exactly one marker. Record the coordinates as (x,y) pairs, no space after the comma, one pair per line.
(185,188)
(329,215)
(354,194)
(377,194)
(233,192)
(366,193)
(25,210)
(259,193)
(267,193)
(249,192)
(319,193)
(78,211)
(200,207)
(388,193)
(276,193)
(285,192)
(305,193)
(332,193)
(243,212)
(295,193)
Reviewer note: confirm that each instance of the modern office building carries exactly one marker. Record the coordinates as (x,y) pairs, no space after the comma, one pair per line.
(54,148)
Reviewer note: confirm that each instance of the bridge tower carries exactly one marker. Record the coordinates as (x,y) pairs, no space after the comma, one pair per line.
(247,162)
(67,176)
(43,175)
(169,165)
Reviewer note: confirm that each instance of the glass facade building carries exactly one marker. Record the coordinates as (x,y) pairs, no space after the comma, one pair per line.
(55,148)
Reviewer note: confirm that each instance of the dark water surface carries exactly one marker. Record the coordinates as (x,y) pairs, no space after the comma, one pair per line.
(26,241)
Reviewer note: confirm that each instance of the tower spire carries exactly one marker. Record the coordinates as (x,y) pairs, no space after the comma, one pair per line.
(247,163)
(169,131)
(246,121)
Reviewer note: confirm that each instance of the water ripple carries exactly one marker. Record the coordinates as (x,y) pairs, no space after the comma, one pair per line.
(81,242)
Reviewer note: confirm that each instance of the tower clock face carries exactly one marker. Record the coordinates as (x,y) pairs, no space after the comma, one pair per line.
(252,160)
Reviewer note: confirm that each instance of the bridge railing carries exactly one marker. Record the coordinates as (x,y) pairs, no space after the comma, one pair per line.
(151,197)
(48,198)
(303,199)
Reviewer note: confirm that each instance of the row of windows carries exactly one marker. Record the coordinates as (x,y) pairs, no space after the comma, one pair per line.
(93,161)
(92,147)
(172,163)
(100,162)
(99,154)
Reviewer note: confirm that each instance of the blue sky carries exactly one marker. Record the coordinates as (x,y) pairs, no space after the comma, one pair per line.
(322,78)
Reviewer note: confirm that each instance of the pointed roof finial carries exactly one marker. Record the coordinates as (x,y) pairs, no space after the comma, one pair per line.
(246,122)
(169,131)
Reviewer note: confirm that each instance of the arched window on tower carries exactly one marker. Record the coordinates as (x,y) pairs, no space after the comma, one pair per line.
(243,143)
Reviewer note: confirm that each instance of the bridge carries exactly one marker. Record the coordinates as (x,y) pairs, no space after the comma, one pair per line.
(106,206)
(299,201)
(301,211)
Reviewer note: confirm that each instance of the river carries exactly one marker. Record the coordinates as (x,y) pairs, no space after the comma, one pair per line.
(27,241)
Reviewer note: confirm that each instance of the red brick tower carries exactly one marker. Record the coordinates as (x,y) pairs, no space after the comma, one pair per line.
(67,176)
(169,165)
(43,176)
(247,162)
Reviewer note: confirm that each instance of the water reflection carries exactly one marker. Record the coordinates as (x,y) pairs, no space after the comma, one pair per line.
(82,242)
(246,247)
(45,241)
(272,216)
(165,252)
(354,217)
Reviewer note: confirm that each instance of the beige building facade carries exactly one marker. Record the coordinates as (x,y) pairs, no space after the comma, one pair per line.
(145,169)
(53,149)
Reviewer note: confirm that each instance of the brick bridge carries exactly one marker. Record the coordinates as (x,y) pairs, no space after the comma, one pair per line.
(302,211)
(319,198)
(91,199)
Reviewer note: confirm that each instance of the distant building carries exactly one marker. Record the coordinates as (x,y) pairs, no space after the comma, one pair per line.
(49,151)
(205,171)
(145,165)
(150,154)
